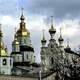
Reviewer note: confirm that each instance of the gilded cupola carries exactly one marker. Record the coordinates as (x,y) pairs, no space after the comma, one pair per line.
(52,30)
(15,42)
(3,51)
(22,31)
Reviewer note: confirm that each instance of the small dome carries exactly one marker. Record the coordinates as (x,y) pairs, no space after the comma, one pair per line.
(16,42)
(52,30)
(43,41)
(3,52)
(60,38)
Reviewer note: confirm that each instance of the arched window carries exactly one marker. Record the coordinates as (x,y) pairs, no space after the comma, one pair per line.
(4,62)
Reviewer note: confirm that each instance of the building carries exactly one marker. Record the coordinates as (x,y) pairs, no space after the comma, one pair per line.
(56,61)
(6,61)
(22,49)
(56,58)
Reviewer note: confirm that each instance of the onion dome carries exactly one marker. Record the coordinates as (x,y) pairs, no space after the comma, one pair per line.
(2,47)
(60,38)
(68,46)
(15,42)
(43,41)
(22,30)
(3,52)
(22,17)
(52,30)
(68,49)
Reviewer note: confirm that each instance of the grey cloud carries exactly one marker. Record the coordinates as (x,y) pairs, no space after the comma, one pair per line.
(58,8)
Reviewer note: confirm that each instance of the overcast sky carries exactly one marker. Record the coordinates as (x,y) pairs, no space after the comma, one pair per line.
(37,14)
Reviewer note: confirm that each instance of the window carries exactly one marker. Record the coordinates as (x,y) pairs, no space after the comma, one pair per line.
(24,41)
(4,62)
(27,56)
(51,46)
(18,57)
(52,60)
(10,62)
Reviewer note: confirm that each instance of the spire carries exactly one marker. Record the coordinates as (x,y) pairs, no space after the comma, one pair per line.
(68,45)
(0,31)
(43,41)
(22,16)
(43,35)
(60,38)
(51,21)
(15,38)
(52,31)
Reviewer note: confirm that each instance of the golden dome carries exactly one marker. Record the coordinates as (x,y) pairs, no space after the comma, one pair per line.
(1,45)
(52,30)
(22,32)
(3,52)
(15,40)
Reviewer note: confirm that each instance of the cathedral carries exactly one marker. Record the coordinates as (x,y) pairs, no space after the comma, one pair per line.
(22,49)
(56,60)
(22,58)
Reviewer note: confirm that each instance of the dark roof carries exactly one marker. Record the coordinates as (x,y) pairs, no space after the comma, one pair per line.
(26,48)
(15,53)
(68,50)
